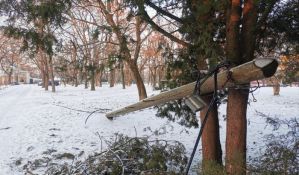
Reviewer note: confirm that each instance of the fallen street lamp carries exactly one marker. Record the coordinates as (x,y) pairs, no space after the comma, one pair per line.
(242,74)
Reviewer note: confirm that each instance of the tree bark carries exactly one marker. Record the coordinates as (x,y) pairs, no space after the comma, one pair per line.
(211,146)
(240,46)
(236,113)
(85,80)
(9,77)
(100,78)
(139,82)
(112,77)
(155,76)
(43,77)
(52,73)
(236,131)
(276,89)
(76,80)
(122,75)
(92,80)
(276,86)
(46,72)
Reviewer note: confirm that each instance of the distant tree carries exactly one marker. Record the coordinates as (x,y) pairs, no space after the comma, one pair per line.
(88,42)
(10,56)
(129,32)
(34,22)
(153,58)
(290,68)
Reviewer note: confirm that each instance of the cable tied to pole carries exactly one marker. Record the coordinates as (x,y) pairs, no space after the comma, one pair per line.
(212,103)
(215,99)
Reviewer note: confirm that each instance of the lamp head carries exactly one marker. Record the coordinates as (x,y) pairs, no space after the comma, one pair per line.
(195,103)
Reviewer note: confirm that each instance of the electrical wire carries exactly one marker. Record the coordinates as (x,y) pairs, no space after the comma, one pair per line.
(213,101)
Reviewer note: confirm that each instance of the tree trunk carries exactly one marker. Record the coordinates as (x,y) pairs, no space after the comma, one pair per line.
(112,77)
(237,101)
(150,77)
(276,89)
(46,72)
(122,75)
(236,131)
(276,86)
(139,82)
(211,146)
(85,77)
(76,80)
(100,78)
(9,78)
(155,77)
(52,73)
(43,78)
(46,82)
(240,48)
(92,80)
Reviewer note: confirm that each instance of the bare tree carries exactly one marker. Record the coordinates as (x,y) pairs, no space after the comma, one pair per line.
(10,56)
(129,34)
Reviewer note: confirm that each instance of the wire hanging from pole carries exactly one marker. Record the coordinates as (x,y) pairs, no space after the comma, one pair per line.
(213,102)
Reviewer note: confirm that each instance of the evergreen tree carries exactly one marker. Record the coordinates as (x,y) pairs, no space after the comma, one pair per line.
(234,30)
(33,22)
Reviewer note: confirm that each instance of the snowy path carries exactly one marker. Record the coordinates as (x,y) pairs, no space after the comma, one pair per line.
(33,121)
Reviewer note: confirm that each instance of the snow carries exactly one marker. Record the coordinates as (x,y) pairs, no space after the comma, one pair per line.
(33,121)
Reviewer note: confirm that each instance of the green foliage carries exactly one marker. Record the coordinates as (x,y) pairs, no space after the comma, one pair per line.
(280,154)
(36,16)
(32,40)
(279,29)
(181,69)
(49,11)
(211,168)
(278,158)
(125,154)
(286,21)
(201,24)
(113,59)
(204,27)
(178,111)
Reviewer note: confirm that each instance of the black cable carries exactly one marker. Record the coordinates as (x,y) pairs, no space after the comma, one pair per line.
(197,85)
(213,101)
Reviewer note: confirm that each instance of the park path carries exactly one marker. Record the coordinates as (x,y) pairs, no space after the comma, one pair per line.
(18,106)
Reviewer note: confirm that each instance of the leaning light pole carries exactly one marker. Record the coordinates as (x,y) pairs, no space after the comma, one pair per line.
(242,74)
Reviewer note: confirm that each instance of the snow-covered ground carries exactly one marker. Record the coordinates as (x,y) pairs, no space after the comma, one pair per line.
(33,121)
